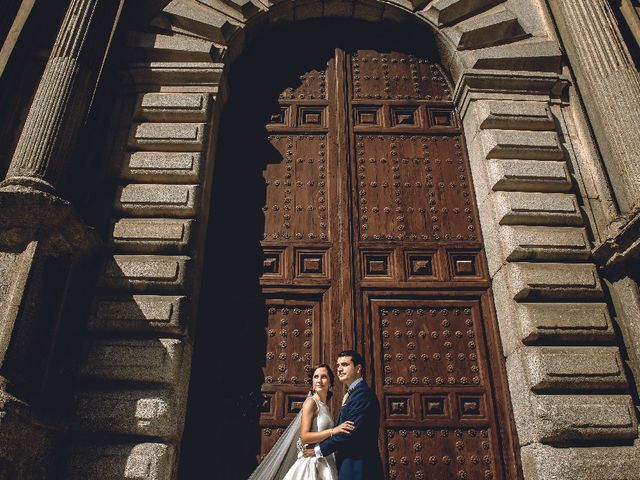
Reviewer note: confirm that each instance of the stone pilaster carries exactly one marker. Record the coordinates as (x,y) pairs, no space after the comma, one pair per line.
(610,85)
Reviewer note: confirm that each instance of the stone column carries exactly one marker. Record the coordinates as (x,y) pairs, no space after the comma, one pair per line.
(44,245)
(610,86)
(61,101)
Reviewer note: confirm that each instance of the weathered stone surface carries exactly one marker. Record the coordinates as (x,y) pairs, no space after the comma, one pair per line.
(520,208)
(142,461)
(146,272)
(444,12)
(543,462)
(138,313)
(146,200)
(139,360)
(525,55)
(175,73)
(168,136)
(544,243)
(529,176)
(511,115)
(487,30)
(526,145)
(200,19)
(172,107)
(564,369)
(245,7)
(133,412)
(152,235)
(564,322)
(540,281)
(175,47)
(163,167)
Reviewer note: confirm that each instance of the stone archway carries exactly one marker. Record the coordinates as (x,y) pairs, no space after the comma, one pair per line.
(568,388)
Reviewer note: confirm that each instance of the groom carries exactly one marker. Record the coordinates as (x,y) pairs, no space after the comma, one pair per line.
(356,453)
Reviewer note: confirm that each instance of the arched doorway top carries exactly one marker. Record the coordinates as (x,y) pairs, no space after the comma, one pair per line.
(472,35)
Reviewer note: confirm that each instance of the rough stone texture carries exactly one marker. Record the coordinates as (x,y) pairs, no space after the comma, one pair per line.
(487,30)
(176,73)
(524,243)
(132,412)
(527,56)
(172,47)
(512,115)
(529,176)
(544,462)
(443,12)
(564,322)
(163,167)
(150,360)
(518,208)
(147,200)
(168,136)
(151,235)
(527,145)
(146,273)
(172,107)
(142,461)
(571,369)
(199,19)
(138,313)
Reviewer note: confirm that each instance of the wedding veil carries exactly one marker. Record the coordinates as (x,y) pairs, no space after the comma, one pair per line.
(283,454)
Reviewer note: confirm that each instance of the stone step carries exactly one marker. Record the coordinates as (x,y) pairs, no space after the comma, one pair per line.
(172,107)
(151,235)
(126,461)
(246,8)
(146,273)
(529,176)
(176,47)
(526,145)
(158,200)
(168,136)
(163,167)
(526,55)
(174,73)
(487,30)
(545,209)
(162,314)
(447,12)
(510,115)
(525,243)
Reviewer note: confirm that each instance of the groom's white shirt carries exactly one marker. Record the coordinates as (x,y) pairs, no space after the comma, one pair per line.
(353,384)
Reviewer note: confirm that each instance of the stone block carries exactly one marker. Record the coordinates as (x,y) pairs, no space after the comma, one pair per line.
(529,176)
(172,107)
(141,461)
(445,12)
(151,235)
(564,322)
(306,9)
(565,369)
(172,47)
(168,136)
(148,200)
(202,20)
(544,462)
(544,281)
(523,56)
(580,418)
(526,145)
(368,11)
(175,73)
(130,412)
(529,208)
(511,115)
(138,313)
(522,243)
(156,360)
(245,7)
(487,30)
(146,273)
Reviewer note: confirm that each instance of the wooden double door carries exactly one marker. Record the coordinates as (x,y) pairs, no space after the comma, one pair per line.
(371,241)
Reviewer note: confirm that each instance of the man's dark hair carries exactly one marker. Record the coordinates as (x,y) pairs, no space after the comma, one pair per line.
(355,357)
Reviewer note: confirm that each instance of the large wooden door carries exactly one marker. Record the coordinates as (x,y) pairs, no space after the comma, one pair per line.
(371,241)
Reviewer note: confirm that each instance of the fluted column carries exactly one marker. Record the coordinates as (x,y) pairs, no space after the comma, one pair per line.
(61,101)
(610,85)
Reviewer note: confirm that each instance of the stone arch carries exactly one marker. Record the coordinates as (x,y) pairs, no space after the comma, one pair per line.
(554,323)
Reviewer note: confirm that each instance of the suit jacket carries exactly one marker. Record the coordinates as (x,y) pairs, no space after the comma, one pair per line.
(357,453)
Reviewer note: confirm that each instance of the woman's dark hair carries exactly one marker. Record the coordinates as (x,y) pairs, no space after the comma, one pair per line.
(329,374)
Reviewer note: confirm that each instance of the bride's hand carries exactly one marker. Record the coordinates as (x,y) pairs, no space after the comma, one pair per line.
(345,427)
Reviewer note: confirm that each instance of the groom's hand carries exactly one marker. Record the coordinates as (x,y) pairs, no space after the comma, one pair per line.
(308,452)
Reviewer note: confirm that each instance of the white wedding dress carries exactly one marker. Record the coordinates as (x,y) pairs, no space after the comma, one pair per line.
(313,468)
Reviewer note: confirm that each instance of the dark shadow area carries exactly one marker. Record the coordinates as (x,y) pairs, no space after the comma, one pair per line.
(222,436)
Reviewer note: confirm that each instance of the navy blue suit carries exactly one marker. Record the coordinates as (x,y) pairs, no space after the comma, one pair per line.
(357,453)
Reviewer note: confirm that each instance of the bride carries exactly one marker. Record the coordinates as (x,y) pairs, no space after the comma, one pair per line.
(313,424)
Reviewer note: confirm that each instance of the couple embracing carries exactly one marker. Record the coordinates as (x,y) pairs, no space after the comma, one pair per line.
(312,448)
